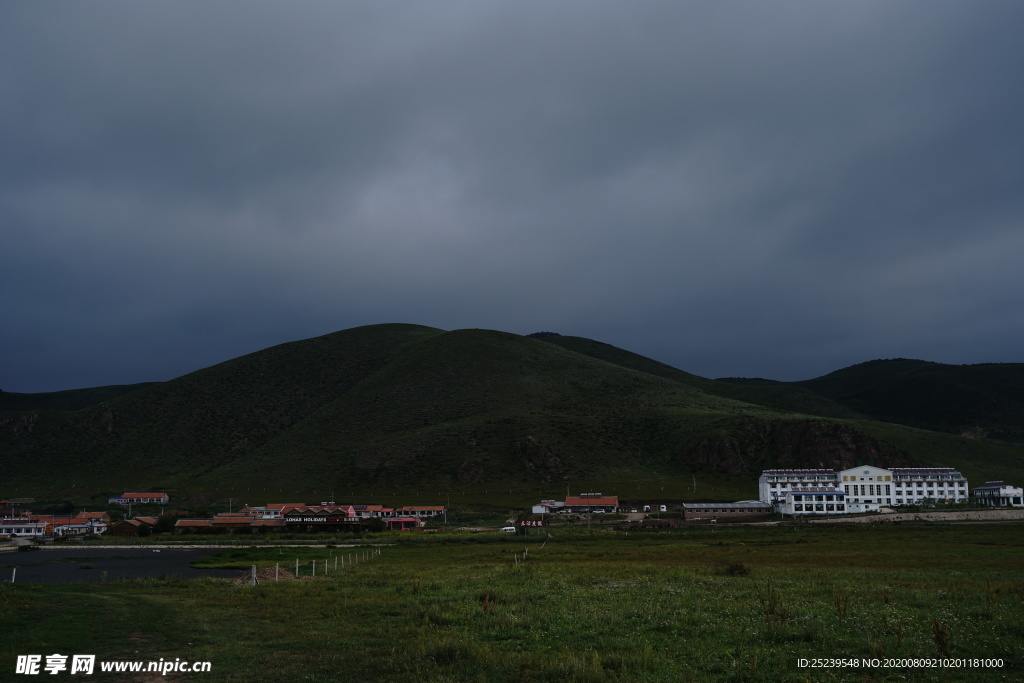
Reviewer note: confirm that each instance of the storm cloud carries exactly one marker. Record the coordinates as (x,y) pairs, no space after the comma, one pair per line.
(745,188)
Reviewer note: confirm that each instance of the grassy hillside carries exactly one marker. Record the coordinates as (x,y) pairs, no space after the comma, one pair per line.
(410,410)
(984,401)
(72,399)
(776,395)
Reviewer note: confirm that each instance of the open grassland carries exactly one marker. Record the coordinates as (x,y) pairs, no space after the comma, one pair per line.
(696,605)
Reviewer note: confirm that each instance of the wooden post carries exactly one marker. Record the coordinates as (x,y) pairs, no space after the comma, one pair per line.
(14,571)
(296,567)
(254,575)
(277,571)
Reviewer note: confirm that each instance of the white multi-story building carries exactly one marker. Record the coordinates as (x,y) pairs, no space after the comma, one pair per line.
(913,485)
(998,494)
(812,500)
(866,487)
(775,484)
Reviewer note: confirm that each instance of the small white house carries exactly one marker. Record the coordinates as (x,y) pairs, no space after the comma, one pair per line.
(998,494)
(548,507)
(19,528)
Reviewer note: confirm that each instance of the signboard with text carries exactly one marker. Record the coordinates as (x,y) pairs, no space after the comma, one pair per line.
(527,523)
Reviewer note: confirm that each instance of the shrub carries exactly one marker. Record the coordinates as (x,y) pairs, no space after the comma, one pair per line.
(736,569)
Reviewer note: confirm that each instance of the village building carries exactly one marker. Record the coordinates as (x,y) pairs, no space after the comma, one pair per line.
(231,522)
(129,527)
(193,526)
(999,494)
(137,498)
(22,529)
(742,511)
(403,523)
(420,511)
(591,503)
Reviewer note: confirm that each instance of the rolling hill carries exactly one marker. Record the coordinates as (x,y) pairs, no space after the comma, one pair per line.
(405,406)
(984,401)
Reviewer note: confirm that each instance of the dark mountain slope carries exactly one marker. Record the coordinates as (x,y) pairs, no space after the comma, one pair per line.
(775,395)
(71,399)
(405,406)
(188,425)
(982,401)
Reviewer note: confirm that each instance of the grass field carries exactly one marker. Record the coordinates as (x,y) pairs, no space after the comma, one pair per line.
(730,604)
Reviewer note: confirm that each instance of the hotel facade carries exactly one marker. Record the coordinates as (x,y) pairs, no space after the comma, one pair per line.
(863,488)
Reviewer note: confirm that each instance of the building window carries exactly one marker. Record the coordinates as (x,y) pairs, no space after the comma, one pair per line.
(798,507)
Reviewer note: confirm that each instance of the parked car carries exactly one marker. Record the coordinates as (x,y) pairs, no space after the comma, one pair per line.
(663,508)
(508,529)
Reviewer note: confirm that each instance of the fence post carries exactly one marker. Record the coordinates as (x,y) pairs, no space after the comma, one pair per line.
(254,575)
(277,571)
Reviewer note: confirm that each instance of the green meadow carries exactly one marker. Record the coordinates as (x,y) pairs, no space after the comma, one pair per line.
(711,604)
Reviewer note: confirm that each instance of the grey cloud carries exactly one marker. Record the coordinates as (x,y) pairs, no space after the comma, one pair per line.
(733,188)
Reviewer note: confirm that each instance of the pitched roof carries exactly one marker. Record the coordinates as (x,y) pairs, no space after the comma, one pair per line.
(268,522)
(592,500)
(237,519)
(93,515)
(194,522)
(142,495)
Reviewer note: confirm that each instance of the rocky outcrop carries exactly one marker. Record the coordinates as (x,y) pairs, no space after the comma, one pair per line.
(538,458)
(748,445)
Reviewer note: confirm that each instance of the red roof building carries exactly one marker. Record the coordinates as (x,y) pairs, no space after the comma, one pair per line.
(591,502)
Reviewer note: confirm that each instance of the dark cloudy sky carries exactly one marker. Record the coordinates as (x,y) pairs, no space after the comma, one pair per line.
(773,189)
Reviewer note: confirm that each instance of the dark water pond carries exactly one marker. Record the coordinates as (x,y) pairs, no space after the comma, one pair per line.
(85,565)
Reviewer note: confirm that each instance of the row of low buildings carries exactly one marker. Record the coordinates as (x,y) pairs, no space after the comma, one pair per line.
(596,503)
(58,526)
(17,521)
(865,488)
(303,518)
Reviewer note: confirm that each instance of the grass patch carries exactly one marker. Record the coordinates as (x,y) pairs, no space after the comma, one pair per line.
(602,606)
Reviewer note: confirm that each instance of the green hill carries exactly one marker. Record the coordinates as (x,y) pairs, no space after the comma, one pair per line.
(983,401)
(405,407)
(72,399)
